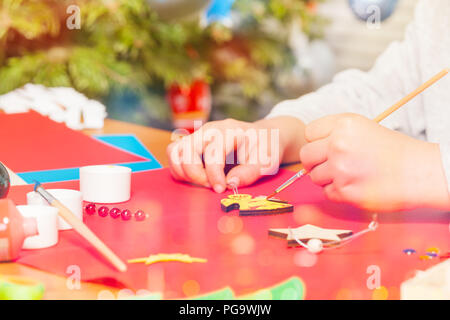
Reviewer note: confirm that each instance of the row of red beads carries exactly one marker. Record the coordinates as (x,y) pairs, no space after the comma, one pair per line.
(115,213)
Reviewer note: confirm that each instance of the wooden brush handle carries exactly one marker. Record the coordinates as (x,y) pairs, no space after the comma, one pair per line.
(87,234)
(411,96)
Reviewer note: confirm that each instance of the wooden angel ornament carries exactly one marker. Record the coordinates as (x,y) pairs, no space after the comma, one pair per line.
(249,206)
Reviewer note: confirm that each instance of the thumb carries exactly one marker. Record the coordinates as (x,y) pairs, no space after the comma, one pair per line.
(243,175)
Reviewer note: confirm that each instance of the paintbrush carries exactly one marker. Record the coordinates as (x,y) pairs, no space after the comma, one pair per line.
(378,119)
(81,228)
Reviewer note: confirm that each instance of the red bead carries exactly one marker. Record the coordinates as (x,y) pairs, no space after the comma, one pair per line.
(139,215)
(103,211)
(90,209)
(114,213)
(126,214)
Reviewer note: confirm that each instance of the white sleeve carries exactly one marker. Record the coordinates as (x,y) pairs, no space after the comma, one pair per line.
(368,93)
(395,74)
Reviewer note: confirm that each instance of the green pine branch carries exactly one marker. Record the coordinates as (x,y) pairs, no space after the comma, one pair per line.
(123,43)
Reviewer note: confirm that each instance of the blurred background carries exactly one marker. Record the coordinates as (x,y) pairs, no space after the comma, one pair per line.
(165,63)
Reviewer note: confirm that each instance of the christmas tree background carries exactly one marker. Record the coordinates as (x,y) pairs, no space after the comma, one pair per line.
(126,53)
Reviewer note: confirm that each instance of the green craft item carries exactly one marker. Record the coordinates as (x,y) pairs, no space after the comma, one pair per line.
(20,288)
(222,294)
(291,289)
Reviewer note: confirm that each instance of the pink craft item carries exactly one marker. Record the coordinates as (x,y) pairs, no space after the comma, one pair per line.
(13,230)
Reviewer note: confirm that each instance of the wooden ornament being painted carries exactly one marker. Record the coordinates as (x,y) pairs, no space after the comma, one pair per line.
(249,206)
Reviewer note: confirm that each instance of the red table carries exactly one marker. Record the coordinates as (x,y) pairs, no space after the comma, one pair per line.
(239,252)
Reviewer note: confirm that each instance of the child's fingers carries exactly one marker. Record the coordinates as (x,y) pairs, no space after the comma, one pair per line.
(195,173)
(192,164)
(248,159)
(214,167)
(175,175)
(216,177)
(314,153)
(321,175)
(174,154)
(320,128)
(332,193)
(215,157)
(245,174)
(253,165)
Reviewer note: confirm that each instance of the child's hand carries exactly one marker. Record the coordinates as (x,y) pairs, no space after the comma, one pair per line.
(259,146)
(362,163)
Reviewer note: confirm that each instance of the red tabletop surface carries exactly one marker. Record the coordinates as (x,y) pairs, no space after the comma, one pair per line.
(185,219)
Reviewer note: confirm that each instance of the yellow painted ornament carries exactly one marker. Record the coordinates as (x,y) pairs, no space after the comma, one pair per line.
(167,257)
(249,206)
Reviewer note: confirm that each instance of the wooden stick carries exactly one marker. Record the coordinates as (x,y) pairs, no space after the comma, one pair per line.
(82,229)
(378,119)
(15,179)
(411,96)
(87,234)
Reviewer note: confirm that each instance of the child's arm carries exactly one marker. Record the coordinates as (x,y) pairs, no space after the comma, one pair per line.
(395,74)
(419,175)
(367,94)
(360,162)
(260,147)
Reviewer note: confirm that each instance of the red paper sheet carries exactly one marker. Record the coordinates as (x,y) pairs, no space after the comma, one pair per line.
(31,142)
(184,219)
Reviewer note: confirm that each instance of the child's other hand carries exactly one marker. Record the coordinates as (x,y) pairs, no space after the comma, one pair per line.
(259,148)
(363,163)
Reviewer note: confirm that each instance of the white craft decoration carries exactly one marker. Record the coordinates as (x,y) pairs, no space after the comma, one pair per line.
(432,284)
(72,199)
(105,183)
(316,235)
(59,104)
(47,226)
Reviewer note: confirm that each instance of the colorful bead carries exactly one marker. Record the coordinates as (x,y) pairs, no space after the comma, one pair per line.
(126,214)
(114,213)
(433,250)
(432,255)
(409,251)
(90,209)
(103,211)
(140,215)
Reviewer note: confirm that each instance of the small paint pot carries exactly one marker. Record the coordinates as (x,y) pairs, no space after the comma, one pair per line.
(72,199)
(105,184)
(47,226)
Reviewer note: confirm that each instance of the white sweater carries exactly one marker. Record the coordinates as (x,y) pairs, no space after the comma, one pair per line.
(399,70)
